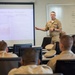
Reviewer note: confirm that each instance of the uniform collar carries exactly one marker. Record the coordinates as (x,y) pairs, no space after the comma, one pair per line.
(52,21)
(2,51)
(66,51)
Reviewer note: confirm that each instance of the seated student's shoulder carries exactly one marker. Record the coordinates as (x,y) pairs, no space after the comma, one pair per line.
(10,54)
(13,71)
(74,56)
(46,69)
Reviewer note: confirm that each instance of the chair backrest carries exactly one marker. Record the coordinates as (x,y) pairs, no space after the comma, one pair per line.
(67,67)
(73,49)
(6,64)
(57,48)
(40,52)
(42,74)
(46,41)
(22,50)
(56,74)
(16,47)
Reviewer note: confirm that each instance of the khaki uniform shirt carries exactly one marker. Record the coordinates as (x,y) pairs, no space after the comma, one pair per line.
(67,54)
(55,24)
(5,54)
(31,69)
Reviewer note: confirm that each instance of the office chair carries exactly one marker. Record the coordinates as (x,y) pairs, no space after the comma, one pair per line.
(57,48)
(67,67)
(39,49)
(43,74)
(56,74)
(46,41)
(6,64)
(73,49)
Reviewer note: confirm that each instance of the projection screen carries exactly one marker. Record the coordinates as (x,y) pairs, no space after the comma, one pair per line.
(17,23)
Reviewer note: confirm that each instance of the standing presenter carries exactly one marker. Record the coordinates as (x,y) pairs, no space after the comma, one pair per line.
(54,27)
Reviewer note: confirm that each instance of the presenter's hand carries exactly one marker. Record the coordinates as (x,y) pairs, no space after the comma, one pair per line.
(51,29)
(42,29)
(37,28)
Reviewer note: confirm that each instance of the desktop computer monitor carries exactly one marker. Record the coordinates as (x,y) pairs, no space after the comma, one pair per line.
(16,47)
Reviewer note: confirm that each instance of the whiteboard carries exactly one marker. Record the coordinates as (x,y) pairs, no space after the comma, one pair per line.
(66,14)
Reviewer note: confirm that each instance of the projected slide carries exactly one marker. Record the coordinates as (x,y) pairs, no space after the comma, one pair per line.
(16,24)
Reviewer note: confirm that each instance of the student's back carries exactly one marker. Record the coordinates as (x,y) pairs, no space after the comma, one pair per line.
(30,61)
(7,54)
(65,44)
(31,69)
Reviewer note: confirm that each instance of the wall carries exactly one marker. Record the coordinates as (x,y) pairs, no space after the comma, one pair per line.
(40,14)
(40,10)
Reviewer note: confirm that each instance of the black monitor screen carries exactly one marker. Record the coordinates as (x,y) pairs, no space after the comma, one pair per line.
(16,47)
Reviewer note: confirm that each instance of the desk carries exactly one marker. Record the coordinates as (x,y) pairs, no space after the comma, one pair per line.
(46,41)
(44,59)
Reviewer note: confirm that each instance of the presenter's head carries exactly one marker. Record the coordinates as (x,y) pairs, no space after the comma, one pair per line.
(53,15)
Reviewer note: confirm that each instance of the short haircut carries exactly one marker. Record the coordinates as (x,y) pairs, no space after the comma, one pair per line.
(67,41)
(3,45)
(30,55)
(53,12)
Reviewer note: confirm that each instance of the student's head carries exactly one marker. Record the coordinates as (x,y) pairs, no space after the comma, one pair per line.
(3,46)
(66,42)
(53,15)
(30,56)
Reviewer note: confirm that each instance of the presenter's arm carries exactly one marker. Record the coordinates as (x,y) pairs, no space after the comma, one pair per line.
(42,29)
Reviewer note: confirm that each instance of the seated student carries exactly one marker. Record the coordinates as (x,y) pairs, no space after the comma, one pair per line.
(30,64)
(4,50)
(65,44)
